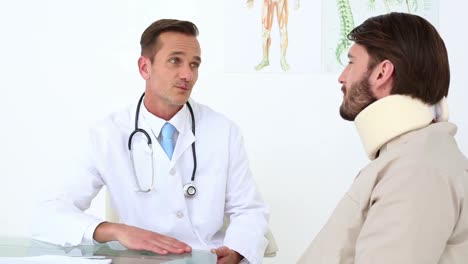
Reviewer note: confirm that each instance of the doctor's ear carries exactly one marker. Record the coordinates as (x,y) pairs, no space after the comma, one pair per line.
(144,66)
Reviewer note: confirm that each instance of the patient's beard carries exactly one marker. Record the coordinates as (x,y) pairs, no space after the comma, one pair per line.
(360,96)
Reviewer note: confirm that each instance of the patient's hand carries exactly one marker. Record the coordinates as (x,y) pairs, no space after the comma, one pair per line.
(139,239)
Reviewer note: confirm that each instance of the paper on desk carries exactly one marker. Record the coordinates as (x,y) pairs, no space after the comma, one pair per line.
(52,259)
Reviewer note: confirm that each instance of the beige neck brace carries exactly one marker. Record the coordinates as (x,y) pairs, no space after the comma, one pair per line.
(393,116)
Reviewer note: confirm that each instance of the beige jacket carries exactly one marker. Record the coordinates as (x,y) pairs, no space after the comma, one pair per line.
(408,206)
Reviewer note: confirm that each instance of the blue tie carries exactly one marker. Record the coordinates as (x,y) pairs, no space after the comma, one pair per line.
(167,134)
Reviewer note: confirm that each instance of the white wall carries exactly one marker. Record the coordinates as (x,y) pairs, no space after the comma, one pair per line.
(64,64)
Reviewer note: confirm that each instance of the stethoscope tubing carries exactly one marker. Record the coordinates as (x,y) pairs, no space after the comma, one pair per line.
(149,142)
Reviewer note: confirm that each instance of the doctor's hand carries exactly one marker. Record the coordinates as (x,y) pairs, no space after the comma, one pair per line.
(227,255)
(139,239)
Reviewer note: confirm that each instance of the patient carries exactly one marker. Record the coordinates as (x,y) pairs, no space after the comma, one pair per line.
(410,203)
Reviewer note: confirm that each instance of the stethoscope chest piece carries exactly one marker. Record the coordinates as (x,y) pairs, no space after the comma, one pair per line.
(190,190)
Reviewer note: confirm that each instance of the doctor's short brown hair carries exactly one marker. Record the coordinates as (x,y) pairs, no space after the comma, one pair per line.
(413,45)
(149,38)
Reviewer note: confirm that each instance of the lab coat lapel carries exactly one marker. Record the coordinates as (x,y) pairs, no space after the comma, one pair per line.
(186,136)
(161,162)
(184,142)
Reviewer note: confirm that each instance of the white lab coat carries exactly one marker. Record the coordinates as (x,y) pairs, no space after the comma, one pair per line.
(223,180)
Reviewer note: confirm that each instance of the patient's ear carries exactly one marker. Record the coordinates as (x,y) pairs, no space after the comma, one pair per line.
(381,79)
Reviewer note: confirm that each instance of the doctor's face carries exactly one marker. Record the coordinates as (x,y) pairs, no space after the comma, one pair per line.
(357,92)
(173,72)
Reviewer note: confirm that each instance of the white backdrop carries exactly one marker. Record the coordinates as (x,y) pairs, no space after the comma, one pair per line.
(65,64)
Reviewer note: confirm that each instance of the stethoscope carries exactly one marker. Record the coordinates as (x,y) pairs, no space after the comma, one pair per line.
(189,189)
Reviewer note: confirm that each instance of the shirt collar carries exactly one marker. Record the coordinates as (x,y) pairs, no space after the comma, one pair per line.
(180,120)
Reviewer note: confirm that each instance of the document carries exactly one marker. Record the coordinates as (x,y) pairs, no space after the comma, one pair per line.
(52,259)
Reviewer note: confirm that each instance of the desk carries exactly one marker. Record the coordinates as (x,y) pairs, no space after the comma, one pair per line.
(23,247)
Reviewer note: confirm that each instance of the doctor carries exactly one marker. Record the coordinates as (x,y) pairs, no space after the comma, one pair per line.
(174,168)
